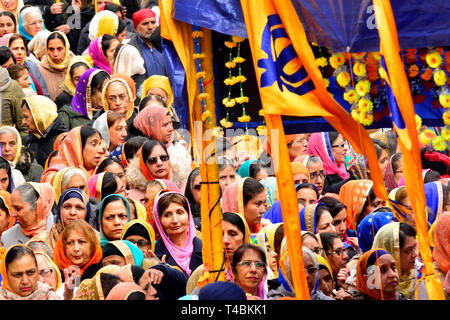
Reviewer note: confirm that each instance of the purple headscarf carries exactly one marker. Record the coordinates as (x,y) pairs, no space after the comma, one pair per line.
(181,255)
(81,101)
(96,53)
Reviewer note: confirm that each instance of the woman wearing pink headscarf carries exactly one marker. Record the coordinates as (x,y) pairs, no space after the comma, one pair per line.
(175,224)
(331,147)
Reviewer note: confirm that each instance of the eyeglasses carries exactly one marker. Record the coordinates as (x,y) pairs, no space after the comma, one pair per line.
(311,270)
(318,250)
(153,160)
(198,187)
(316,175)
(302,140)
(140,243)
(342,145)
(247,263)
(339,252)
(45,273)
(36,22)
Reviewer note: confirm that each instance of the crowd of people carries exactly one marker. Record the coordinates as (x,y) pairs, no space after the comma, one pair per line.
(100,198)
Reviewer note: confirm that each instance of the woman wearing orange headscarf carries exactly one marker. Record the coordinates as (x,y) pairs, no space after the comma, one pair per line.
(33,203)
(82,147)
(86,254)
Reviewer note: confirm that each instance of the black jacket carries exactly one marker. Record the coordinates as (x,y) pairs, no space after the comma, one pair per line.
(43,146)
(84,17)
(173,283)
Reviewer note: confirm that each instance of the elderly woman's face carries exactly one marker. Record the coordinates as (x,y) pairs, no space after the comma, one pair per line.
(46,272)
(78,248)
(72,209)
(175,220)
(250,271)
(22,211)
(33,23)
(23,275)
(310,270)
(28,120)
(117,98)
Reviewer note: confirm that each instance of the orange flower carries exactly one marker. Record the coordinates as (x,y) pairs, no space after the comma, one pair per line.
(427,74)
(413,71)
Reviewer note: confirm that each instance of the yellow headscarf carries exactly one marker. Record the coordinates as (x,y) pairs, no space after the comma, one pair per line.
(54,267)
(130,95)
(158,81)
(44,112)
(269,232)
(16,11)
(63,64)
(69,86)
(388,238)
(18,142)
(323,262)
(104,22)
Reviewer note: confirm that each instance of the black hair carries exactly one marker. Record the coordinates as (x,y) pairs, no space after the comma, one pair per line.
(5,55)
(391,142)
(327,239)
(137,273)
(116,52)
(4,164)
(106,42)
(431,176)
(109,184)
(277,239)
(77,65)
(320,209)
(188,193)
(370,198)
(255,169)
(334,205)
(405,230)
(56,35)
(106,162)
(132,145)
(251,188)
(307,185)
(237,256)
(113,8)
(3,206)
(122,26)
(235,220)
(98,79)
(108,281)
(379,147)
(86,132)
(149,98)
(148,147)
(10,15)
(18,252)
(395,161)
(333,135)
(136,295)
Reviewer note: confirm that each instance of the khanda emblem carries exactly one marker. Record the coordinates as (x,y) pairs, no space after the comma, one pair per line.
(282,66)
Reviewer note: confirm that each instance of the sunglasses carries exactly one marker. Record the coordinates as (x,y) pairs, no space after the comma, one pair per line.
(140,243)
(153,160)
(339,145)
(198,187)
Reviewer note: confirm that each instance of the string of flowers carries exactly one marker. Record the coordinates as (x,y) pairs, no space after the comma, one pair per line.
(198,56)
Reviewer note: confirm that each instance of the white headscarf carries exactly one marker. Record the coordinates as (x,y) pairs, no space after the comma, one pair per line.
(129,61)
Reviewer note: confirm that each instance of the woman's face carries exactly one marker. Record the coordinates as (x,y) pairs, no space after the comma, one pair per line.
(300,178)
(4,220)
(372,205)
(247,275)
(56,50)
(311,243)
(22,211)
(316,174)
(388,274)
(120,187)
(306,196)
(9,5)
(78,249)
(77,73)
(110,51)
(325,223)
(325,282)
(4,179)
(33,23)
(408,254)
(117,98)
(398,173)
(337,258)
(6,25)
(76,181)
(383,161)
(121,36)
(72,209)
(175,220)
(310,271)
(167,130)
(114,218)
(226,177)
(118,170)
(96,97)
(115,260)
(233,238)
(28,120)
(23,275)
(19,51)
(160,93)
(271,258)
(117,134)
(46,272)
(160,168)
(141,243)
(8,143)
(92,152)
(339,149)
(24,79)
(196,188)
(298,146)
(340,223)
(255,208)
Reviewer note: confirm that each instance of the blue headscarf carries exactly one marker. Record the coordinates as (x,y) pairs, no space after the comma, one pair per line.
(22,30)
(103,239)
(274,213)
(222,290)
(369,227)
(74,193)
(244,169)
(434,198)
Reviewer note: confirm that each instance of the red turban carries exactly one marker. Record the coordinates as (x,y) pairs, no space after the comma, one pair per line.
(142,14)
